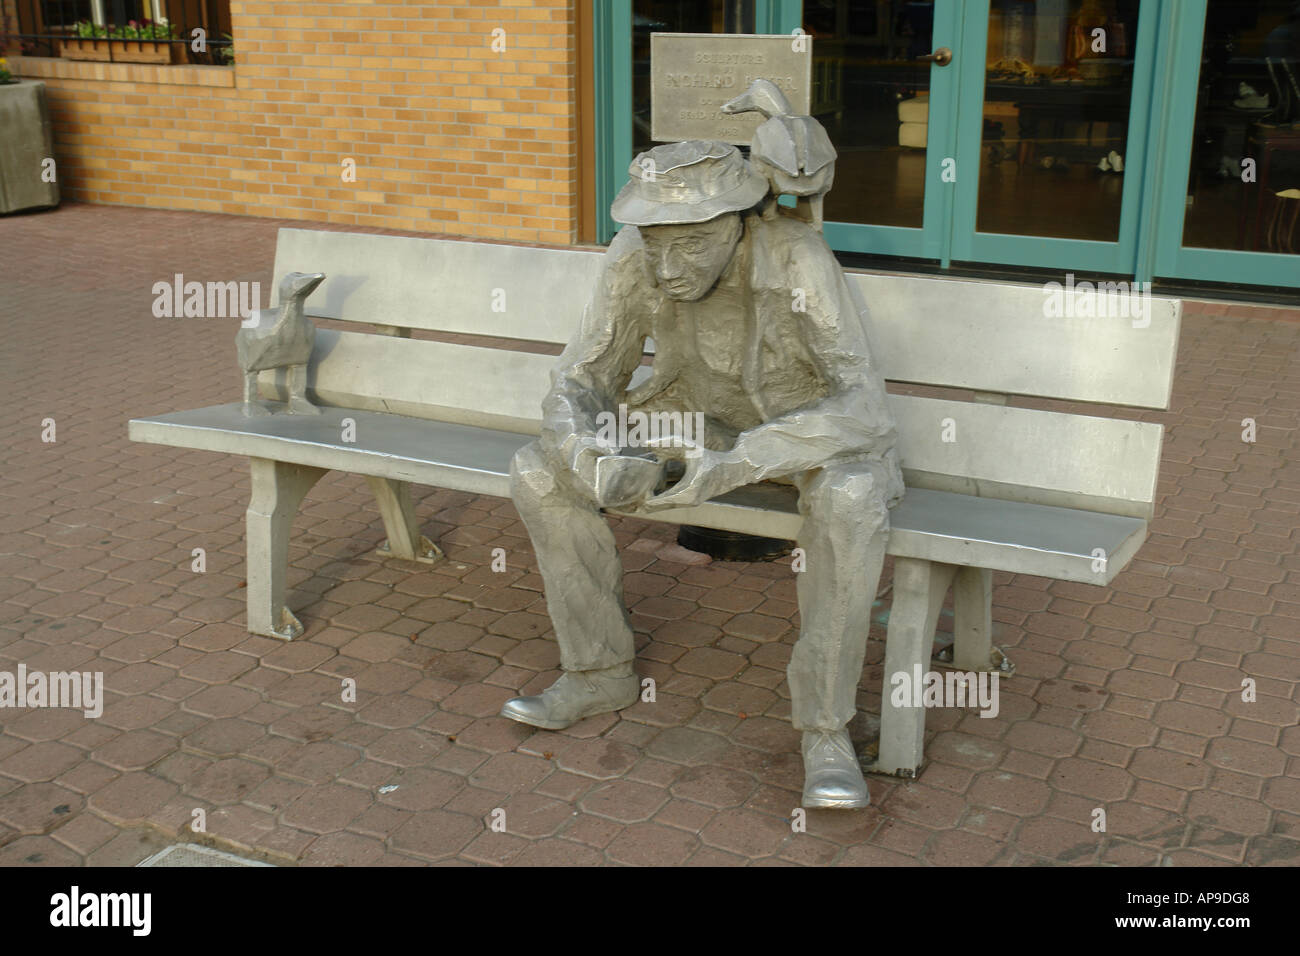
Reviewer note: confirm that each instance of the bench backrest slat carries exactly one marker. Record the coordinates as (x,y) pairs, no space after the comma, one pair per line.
(998,337)
(993,337)
(1098,464)
(476,288)
(464,384)
(1022,454)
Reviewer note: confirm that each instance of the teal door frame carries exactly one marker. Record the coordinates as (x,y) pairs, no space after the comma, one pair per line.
(611,52)
(1078,255)
(1162,116)
(949,208)
(1180,55)
(778,16)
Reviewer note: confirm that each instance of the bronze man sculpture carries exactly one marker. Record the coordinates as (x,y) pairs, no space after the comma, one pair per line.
(754,326)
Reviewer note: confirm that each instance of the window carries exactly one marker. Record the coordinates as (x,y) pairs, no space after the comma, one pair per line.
(150,31)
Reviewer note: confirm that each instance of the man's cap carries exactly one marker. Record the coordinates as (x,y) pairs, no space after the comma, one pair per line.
(691,181)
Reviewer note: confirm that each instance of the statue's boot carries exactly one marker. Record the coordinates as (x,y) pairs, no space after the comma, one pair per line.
(832,778)
(576,695)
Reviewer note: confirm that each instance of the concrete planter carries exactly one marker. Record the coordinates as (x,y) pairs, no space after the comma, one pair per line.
(24,147)
(128,51)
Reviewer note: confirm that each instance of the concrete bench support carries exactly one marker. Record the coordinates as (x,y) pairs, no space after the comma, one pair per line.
(972,605)
(278,491)
(398,512)
(919,590)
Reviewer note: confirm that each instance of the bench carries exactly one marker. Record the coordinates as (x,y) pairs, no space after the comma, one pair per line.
(991,486)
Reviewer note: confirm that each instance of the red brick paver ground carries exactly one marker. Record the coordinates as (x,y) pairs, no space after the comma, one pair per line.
(1127,698)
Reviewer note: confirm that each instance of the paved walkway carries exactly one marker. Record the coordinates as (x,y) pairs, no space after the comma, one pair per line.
(1126,698)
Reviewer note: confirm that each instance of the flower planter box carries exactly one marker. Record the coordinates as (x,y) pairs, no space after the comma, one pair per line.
(143,51)
(124,51)
(84,49)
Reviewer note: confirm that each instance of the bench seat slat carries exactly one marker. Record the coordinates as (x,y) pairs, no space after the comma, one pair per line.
(935,525)
(459,457)
(953,528)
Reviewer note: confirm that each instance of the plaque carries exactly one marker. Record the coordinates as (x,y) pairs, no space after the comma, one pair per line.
(693,74)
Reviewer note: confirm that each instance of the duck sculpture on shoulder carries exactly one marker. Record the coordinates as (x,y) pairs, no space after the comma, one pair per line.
(792,152)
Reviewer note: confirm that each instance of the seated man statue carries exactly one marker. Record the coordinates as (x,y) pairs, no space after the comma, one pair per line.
(754,327)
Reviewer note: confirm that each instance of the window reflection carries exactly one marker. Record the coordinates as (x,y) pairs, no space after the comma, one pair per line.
(872,95)
(1058,83)
(1243,191)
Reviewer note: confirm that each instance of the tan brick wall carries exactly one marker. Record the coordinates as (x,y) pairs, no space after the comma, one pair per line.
(448,135)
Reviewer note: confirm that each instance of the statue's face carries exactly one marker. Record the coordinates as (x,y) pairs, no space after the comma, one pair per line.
(688,259)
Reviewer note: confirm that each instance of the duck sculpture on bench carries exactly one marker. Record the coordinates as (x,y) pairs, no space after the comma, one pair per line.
(282,337)
(792,152)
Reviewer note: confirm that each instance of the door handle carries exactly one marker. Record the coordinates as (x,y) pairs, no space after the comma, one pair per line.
(940,57)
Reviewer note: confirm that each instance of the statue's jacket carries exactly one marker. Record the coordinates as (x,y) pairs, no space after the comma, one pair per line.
(775,356)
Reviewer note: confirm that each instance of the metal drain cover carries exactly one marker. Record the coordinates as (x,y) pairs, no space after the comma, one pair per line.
(191,854)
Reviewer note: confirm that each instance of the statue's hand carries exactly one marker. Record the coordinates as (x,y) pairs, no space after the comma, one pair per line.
(583,453)
(624,481)
(610,479)
(705,478)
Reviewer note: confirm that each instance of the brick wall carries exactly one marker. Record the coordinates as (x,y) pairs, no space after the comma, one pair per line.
(447,134)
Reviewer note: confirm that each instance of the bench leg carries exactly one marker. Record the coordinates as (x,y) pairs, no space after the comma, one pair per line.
(972,631)
(398,512)
(278,490)
(919,589)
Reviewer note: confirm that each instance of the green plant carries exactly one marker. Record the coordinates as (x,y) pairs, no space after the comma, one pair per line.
(148,30)
(226,53)
(134,30)
(5,75)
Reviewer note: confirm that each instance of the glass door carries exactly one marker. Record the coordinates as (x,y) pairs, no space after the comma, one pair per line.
(1051,141)
(891,115)
(1148,138)
(1229,204)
